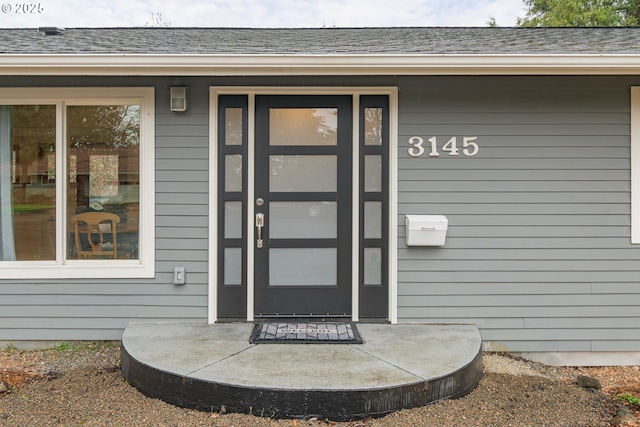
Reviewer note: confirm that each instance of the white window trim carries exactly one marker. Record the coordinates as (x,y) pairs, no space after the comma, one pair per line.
(251,92)
(144,267)
(635,165)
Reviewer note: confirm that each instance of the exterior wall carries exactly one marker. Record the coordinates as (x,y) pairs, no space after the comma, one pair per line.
(538,250)
(78,309)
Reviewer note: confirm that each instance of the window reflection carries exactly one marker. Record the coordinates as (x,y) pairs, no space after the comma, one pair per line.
(27,182)
(303,126)
(373,126)
(233,126)
(104,170)
(233,172)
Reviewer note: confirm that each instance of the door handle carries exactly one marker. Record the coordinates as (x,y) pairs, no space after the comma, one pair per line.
(259,225)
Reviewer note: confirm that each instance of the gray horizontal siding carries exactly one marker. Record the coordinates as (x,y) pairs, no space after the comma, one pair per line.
(523,118)
(466,314)
(101,313)
(571,254)
(538,251)
(500,276)
(119,300)
(558,197)
(515,186)
(96,288)
(101,308)
(536,173)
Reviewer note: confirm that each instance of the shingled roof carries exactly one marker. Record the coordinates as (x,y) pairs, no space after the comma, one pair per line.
(320,51)
(324,41)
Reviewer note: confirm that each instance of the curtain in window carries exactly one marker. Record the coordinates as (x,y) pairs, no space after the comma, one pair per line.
(7,247)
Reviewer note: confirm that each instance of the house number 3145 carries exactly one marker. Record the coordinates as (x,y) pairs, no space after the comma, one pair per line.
(469,146)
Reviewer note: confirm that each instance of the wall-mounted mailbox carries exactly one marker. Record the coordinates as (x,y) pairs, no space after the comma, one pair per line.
(426,230)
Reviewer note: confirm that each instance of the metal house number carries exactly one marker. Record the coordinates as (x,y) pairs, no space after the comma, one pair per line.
(469,146)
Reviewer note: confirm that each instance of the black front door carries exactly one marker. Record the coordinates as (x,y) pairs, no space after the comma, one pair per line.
(303,205)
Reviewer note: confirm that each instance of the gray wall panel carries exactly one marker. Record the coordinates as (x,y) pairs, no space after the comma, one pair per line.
(100,309)
(539,219)
(183,152)
(483,117)
(615,345)
(499,220)
(187,175)
(549,187)
(436,175)
(514,276)
(496,288)
(518,254)
(538,253)
(621,324)
(180,164)
(463,313)
(183,198)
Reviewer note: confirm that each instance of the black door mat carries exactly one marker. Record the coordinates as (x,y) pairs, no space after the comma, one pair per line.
(305,333)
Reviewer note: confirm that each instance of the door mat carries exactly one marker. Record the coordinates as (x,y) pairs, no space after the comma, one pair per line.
(305,333)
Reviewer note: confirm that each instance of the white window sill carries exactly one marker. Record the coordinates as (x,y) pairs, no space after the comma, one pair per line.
(99,269)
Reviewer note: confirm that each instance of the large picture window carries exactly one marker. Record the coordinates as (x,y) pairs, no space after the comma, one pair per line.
(76,183)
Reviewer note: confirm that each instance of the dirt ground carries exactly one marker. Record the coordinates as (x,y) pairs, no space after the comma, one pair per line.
(81,385)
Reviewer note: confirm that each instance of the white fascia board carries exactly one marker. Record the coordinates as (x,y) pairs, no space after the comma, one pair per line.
(234,65)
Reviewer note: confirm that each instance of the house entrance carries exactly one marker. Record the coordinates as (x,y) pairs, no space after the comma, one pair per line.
(303,206)
(303,219)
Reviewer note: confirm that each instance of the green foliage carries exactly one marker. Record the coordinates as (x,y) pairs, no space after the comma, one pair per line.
(82,346)
(580,13)
(10,347)
(63,346)
(629,398)
(103,126)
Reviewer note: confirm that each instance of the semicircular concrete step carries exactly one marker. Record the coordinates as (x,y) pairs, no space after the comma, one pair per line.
(215,368)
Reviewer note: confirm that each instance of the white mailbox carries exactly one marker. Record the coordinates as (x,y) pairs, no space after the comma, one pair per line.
(426,230)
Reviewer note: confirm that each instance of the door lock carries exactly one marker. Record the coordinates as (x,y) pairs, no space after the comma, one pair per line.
(259,225)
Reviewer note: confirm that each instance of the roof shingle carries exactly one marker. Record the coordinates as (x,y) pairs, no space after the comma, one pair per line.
(325,41)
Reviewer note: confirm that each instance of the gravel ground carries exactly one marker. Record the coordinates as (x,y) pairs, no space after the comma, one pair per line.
(82,386)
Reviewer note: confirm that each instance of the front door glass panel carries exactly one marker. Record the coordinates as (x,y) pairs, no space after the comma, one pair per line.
(373,126)
(303,173)
(233,126)
(233,168)
(372,220)
(233,220)
(303,126)
(303,267)
(303,220)
(372,266)
(233,266)
(372,173)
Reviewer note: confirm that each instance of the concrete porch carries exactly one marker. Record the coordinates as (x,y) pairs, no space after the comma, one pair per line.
(214,368)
